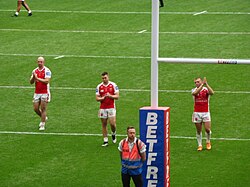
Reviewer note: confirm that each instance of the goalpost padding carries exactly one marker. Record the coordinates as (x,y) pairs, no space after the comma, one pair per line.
(155,133)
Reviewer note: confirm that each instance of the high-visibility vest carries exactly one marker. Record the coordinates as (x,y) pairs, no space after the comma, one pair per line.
(131,160)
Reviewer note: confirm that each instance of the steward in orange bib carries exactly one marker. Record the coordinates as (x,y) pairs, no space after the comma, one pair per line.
(133,153)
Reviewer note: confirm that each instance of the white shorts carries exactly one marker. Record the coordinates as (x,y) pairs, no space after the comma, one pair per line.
(199,117)
(41,97)
(106,113)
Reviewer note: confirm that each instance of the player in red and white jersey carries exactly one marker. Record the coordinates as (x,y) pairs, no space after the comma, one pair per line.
(41,77)
(106,93)
(201,115)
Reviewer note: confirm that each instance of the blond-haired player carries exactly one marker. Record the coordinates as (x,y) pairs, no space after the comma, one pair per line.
(201,115)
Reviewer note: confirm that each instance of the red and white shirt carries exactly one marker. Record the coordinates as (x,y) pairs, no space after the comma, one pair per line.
(42,88)
(102,90)
(201,100)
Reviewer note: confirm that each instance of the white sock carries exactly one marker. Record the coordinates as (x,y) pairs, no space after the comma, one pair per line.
(16,13)
(29,11)
(42,123)
(105,139)
(199,138)
(208,135)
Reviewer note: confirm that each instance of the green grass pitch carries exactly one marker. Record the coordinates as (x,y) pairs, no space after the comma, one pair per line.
(104,35)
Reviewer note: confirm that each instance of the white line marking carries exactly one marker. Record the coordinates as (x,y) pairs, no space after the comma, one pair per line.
(126,32)
(228,139)
(142,31)
(69,31)
(207,33)
(111,12)
(58,57)
(126,90)
(78,56)
(198,13)
(123,135)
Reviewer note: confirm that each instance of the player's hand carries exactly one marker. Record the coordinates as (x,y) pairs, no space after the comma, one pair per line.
(109,95)
(205,81)
(34,75)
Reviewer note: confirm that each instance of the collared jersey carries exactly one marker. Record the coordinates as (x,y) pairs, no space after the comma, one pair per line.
(42,88)
(102,90)
(201,100)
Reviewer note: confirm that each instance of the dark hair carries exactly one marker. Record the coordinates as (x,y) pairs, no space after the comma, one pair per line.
(105,73)
(130,127)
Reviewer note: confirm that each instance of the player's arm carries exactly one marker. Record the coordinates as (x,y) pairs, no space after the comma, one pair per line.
(197,91)
(115,96)
(45,80)
(210,90)
(99,98)
(32,79)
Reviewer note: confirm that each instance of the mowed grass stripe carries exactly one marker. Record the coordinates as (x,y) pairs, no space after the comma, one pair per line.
(126,32)
(76,56)
(120,135)
(126,90)
(115,12)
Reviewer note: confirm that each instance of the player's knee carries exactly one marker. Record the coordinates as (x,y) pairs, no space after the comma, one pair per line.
(104,123)
(35,107)
(198,132)
(43,109)
(208,131)
(113,125)
(37,110)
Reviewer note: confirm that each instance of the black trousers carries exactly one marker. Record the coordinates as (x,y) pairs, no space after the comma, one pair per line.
(161,3)
(136,178)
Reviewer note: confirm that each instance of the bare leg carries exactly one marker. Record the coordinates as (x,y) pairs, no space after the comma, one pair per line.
(104,129)
(26,6)
(19,5)
(199,133)
(43,111)
(36,106)
(207,126)
(112,121)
